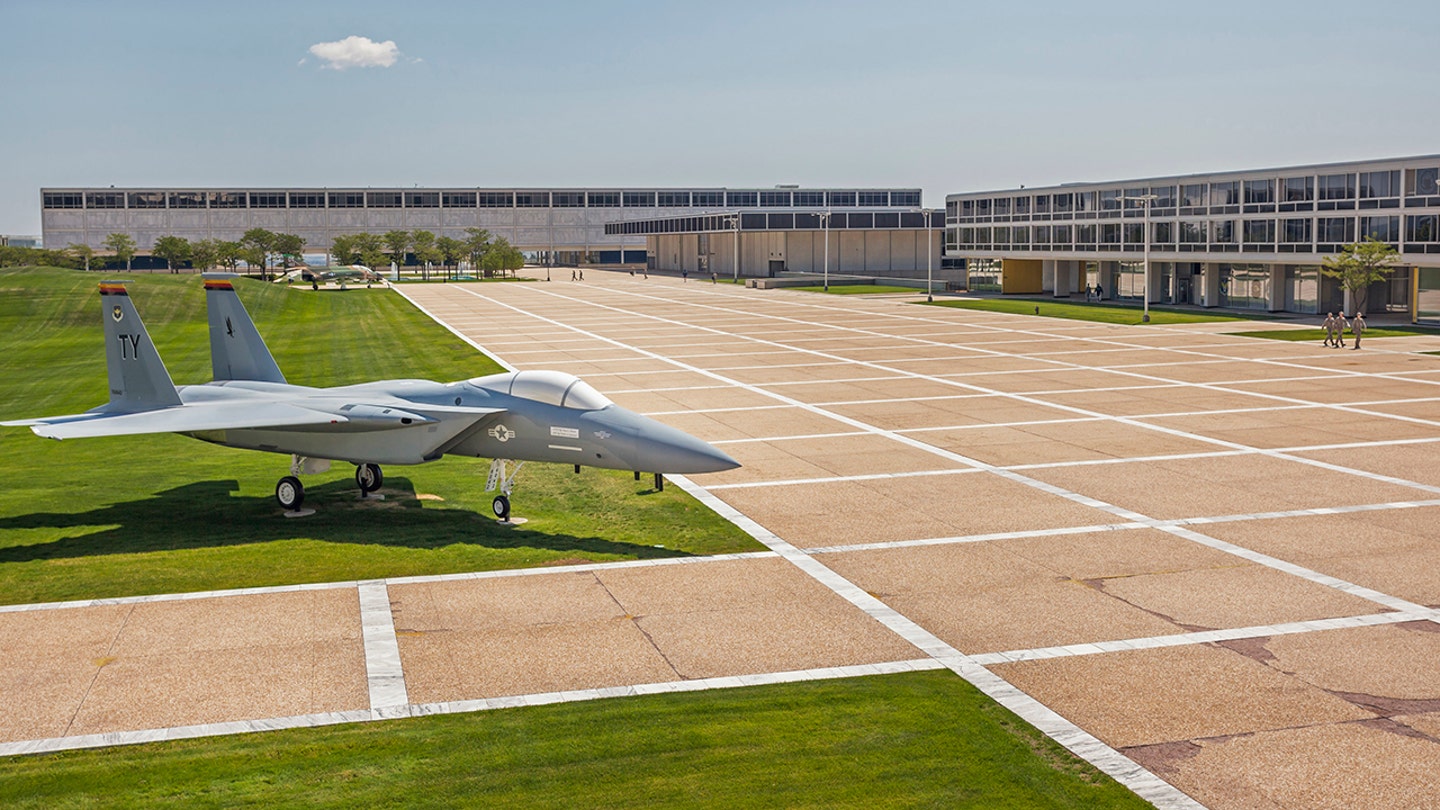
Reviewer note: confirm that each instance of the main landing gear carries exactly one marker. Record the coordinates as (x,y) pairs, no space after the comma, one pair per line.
(290,493)
(506,483)
(369,478)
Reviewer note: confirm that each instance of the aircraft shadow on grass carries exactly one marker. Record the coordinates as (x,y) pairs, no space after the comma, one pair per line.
(206,515)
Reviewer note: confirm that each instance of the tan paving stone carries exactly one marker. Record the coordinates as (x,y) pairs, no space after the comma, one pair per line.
(240,622)
(1219,486)
(780,422)
(1155,400)
(211,685)
(908,508)
(1293,427)
(1389,662)
(1107,555)
(1344,388)
(1326,536)
(1145,697)
(1427,723)
(1414,462)
(1417,409)
(982,598)
(1327,767)
(1051,380)
(760,639)
(1071,441)
(960,410)
(1240,596)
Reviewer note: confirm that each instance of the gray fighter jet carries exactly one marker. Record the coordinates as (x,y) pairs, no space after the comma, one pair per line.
(513,418)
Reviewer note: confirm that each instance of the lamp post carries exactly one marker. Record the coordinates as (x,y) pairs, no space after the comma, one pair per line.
(1145,200)
(734,222)
(929,258)
(825,228)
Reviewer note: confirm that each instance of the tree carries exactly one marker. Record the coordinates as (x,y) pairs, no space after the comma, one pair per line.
(452,250)
(422,243)
(228,254)
(82,252)
(1360,264)
(122,246)
(477,242)
(256,244)
(342,249)
(290,247)
(204,253)
(398,243)
(502,256)
(369,250)
(173,249)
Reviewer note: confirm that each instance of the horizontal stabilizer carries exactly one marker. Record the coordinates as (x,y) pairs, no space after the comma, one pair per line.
(183,419)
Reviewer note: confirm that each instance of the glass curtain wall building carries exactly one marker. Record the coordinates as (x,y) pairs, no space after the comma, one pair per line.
(1246,239)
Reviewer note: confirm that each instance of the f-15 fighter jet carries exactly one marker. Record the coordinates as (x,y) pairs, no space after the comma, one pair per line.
(512,418)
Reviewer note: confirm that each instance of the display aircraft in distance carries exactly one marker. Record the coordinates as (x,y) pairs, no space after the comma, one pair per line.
(512,418)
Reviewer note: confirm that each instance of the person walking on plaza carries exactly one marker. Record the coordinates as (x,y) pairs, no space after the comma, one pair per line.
(1357,327)
(685,274)
(582,274)
(1340,325)
(1329,326)
(572,275)
(1099,293)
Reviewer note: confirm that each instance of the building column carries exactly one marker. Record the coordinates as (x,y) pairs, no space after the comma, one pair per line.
(1153,277)
(1049,282)
(1209,286)
(1277,288)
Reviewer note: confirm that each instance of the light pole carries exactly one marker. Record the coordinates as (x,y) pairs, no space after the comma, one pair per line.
(825,229)
(734,222)
(1145,200)
(929,258)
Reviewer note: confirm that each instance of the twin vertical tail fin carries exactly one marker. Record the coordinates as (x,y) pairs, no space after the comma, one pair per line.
(237,352)
(138,379)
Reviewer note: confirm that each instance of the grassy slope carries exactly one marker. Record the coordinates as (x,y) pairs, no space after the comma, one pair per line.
(1100,313)
(918,740)
(155,514)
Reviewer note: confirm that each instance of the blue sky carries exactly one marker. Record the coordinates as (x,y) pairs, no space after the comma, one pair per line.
(949,97)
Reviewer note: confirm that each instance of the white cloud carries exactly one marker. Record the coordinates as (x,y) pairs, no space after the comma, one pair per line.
(354,51)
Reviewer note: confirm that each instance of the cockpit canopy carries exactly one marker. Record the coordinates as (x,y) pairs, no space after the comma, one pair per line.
(550,387)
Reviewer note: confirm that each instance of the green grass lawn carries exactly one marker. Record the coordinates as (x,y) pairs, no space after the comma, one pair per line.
(122,516)
(1317,334)
(860,289)
(916,740)
(1099,313)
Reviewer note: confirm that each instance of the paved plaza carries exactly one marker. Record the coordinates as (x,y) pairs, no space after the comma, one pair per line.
(1206,563)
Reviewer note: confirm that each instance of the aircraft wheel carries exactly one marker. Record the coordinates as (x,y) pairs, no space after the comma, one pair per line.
(290,493)
(501,505)
(368,477)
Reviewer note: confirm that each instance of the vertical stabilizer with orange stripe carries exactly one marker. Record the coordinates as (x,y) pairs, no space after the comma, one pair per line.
(237,352)
(138,379)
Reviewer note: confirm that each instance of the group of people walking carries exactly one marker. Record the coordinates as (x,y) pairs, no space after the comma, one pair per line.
(1335,326)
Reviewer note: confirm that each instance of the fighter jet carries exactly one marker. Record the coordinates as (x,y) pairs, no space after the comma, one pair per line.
(512,418)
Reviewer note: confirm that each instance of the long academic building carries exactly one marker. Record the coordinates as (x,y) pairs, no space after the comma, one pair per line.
(1243,239)
(567,225)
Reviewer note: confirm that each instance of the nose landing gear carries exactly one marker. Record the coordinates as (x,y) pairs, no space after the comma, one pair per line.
(505,483)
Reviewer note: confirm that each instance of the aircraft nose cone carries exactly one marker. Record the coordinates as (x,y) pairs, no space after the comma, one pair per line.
(663,449)
(680,453)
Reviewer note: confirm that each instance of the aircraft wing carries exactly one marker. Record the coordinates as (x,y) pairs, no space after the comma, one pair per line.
(179,419)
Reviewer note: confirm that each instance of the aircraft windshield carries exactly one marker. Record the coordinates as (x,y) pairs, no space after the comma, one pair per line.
(550,387)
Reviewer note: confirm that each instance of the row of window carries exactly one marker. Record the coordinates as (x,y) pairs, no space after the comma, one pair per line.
(481,199)
(1303,231)
(1345,191)
(779,222)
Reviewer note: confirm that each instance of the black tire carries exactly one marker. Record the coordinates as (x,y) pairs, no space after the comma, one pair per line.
(290,493)
(369,478)
(501,505)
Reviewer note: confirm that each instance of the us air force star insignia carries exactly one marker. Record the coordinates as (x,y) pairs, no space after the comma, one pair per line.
(501,433)
(117,313)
